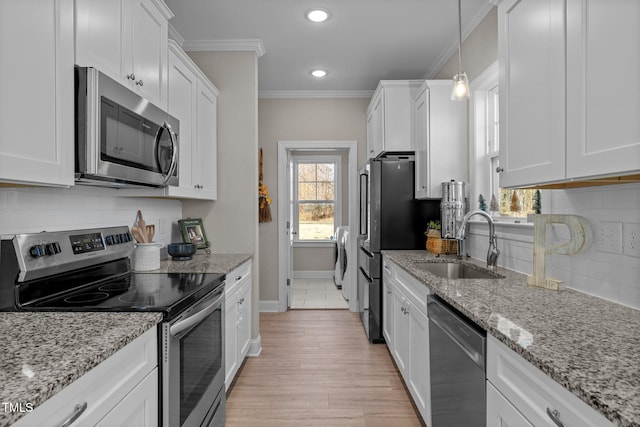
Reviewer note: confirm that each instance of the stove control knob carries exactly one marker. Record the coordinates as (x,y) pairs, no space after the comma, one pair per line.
(118,238)
(109,240)
(126,237)
(37,251)
(52,248)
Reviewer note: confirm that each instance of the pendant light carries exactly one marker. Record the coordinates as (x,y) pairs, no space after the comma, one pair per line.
(460,90)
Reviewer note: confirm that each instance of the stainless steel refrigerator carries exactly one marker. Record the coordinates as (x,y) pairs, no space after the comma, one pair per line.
(390,218)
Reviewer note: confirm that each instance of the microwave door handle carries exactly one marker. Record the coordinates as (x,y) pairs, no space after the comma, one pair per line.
(174,150)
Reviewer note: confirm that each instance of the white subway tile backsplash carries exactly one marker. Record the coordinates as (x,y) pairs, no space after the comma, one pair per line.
(608,276)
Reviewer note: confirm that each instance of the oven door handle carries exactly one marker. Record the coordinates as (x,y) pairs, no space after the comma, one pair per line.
(195,318)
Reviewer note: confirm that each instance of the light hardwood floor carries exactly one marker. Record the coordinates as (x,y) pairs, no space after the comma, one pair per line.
(318,369)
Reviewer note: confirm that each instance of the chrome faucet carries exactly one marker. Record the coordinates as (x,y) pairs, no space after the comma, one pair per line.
(492,252)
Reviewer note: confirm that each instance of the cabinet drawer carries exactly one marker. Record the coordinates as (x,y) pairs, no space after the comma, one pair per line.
(415,291)
(532,392)
(102,387)
(236,277)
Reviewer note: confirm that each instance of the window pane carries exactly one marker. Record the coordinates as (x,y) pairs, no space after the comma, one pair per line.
(315,221)
(523,204)
(306,171)
(326,172)
(307,191)
(326,191)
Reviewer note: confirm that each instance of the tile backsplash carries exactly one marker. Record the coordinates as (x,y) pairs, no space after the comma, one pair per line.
(609,268)
(28,210)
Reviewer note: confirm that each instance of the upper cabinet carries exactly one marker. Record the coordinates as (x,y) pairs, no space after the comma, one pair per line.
(36,83)
(192,99)
(389,117)
(127,40)
(439,136)
(559,120)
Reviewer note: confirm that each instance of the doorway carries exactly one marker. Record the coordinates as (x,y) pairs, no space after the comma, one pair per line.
(295,230)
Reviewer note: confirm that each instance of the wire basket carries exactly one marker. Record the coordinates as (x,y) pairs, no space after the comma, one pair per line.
(438,245)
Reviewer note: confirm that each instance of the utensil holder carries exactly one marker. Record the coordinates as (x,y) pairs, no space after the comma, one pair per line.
(146,256)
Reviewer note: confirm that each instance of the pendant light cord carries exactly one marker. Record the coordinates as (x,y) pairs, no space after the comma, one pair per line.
(459,36)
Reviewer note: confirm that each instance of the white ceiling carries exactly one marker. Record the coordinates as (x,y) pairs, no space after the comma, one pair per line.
(363,42)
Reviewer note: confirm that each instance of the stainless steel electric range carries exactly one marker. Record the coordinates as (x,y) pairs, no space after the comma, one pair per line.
(90,270)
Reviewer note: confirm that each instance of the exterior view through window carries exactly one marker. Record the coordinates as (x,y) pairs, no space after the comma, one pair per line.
(316,199)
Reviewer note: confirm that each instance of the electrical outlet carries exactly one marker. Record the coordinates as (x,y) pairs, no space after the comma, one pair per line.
(632,239)
(609,238)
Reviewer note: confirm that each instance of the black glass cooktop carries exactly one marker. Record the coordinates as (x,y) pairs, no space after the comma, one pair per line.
(169,293)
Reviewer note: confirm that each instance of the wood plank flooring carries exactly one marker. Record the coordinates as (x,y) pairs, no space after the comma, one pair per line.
(318,369)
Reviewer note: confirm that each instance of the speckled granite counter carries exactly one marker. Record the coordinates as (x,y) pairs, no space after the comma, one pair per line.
(203,263)
(588,345)
(41,353)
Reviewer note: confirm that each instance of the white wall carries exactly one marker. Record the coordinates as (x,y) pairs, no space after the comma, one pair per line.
(611,276)
(29,210)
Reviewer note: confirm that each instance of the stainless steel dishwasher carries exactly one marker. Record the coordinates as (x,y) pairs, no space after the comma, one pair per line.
(457,367)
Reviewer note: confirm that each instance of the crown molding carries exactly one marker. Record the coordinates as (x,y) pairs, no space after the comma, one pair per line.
(313,94)
(163,8)
(453,47)
(225,45)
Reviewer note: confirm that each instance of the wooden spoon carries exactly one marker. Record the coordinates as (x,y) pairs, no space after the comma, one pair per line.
(142,226)
(151,231)
(137,234)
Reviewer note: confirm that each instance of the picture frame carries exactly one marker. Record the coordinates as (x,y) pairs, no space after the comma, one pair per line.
(192,231)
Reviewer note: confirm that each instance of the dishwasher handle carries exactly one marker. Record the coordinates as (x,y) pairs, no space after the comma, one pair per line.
(470,341)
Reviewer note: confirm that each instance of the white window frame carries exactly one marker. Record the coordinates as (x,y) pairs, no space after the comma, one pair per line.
(483,154)
(337,218)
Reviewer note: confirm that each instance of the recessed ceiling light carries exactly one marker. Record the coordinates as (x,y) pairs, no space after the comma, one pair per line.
(319,73)
(317,15)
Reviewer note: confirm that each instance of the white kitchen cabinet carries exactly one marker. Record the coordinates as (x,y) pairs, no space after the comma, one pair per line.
(192,99)
(532,92)
(126,40)
(439,135)
(387,307)
(603,136)
(125,383)
(501,413)
(408,330)
(559,119)
(389,117)
(237,338)
(36,87)
(532,393)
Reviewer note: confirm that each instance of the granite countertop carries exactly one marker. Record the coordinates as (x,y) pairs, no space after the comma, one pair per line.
(203,262)
(44,352)
(587,344)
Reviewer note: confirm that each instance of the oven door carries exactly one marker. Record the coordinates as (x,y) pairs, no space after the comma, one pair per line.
(193,365)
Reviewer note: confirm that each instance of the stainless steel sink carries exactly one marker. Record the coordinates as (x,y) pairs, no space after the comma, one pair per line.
(451,270)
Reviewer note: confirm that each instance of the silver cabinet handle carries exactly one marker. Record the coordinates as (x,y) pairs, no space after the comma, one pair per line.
(131,76)
(499,169)
(77,411)
(140,83)
(555,417)
(238,278)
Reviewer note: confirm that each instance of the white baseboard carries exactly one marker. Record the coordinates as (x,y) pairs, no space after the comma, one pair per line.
(269,306)
(255,348)
(310,274)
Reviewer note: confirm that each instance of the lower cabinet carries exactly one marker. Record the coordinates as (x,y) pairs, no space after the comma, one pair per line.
(122,391)
(237,338)
(406,328)
(519,394)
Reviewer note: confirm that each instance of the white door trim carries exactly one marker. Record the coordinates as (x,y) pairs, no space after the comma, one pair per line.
(283,239)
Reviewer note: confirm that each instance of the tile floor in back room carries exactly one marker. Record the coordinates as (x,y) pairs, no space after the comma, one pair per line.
(317,293)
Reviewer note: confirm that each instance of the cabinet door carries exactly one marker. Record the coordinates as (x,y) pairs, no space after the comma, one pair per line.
(531,40)
(36,87)
(603,135)
(420,125)
(387,312)
(419,378)
(205,143)
(230,339)
(182,94)
(501,413)
(402,337)
(244,320)
(139,408)
(100,36)
(149,35)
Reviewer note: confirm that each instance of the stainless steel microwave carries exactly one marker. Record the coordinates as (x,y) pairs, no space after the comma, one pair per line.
(121,139)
